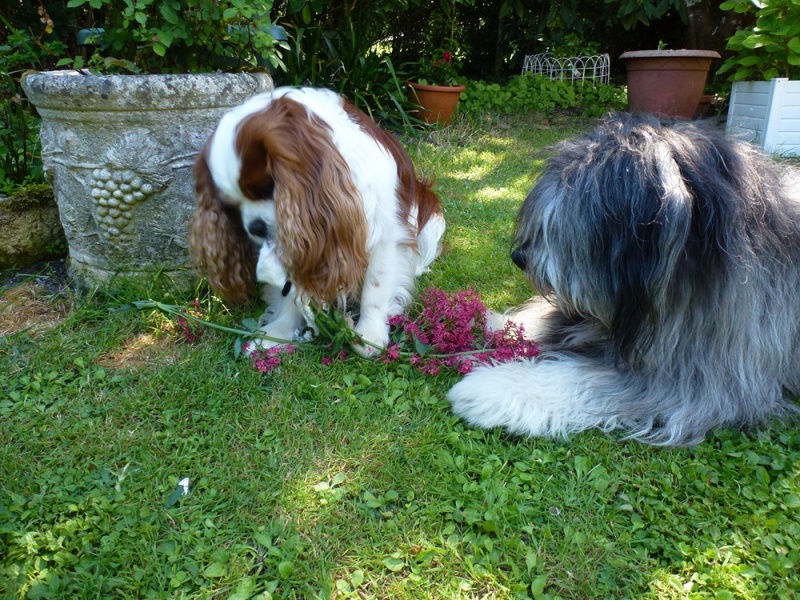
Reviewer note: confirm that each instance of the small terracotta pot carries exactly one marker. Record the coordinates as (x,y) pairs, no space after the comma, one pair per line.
(667,83)
(438,103)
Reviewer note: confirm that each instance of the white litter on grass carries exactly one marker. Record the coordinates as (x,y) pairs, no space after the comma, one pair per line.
(180,491)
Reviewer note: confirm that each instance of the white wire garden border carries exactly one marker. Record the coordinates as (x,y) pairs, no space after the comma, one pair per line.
(596,69)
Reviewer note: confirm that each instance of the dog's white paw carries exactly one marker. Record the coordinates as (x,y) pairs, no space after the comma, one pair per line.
(525,397)
(281,337)
(377,336)
(254,347)
(487,397)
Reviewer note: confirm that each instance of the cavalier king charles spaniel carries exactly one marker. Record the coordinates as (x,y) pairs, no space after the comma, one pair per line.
(301,191)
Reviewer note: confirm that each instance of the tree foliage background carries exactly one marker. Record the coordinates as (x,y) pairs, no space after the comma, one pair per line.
(490,36)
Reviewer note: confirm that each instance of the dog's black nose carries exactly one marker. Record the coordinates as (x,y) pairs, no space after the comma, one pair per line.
(518,257)
(258,228)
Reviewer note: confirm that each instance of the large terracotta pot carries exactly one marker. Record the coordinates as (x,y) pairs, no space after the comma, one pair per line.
(438,103)
(667,83)
(119,151)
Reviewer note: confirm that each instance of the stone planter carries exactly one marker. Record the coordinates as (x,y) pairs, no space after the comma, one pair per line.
(119,151)
(667,83)
(438,103)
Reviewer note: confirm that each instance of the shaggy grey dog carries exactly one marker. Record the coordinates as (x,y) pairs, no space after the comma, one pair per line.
(668,263)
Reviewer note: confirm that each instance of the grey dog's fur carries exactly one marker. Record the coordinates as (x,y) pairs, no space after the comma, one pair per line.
(670,261)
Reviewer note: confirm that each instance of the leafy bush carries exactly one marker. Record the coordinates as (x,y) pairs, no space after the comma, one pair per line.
(531,92)
(631,13)
(771,46)
(20,162)
(169,36)
(337,50)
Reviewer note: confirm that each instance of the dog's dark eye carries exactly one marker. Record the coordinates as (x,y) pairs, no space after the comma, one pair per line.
(258,228)
(262,189)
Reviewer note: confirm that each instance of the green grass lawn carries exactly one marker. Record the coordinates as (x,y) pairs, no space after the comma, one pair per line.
(355,480)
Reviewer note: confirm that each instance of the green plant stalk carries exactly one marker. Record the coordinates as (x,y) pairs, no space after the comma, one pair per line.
(179,311)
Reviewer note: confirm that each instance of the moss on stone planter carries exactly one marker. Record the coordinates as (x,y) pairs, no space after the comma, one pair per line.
(30,196)
(31,227)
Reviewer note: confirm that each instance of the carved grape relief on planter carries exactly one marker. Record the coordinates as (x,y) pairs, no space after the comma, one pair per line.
(130,176)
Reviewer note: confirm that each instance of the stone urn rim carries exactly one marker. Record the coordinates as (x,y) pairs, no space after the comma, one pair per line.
(81,91)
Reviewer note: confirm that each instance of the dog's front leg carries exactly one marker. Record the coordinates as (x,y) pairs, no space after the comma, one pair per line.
(281,320)
(378,297)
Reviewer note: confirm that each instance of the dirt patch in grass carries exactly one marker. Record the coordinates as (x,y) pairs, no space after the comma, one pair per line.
(142,351)
(34,300)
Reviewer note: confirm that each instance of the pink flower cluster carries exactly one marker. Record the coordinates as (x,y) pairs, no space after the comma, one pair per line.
(268,360)
(329,360)
(451,331)
(190,331)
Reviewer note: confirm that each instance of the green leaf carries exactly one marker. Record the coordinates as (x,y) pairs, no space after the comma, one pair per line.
(130,305)
(169,14)
(215,569)
(285,569)
(749,61)
(357,578)
(537,586)
(250,324)
(582,466)
(421,349)
(743,74)
(244,590)
(165,37)
(394,564)
(771,74)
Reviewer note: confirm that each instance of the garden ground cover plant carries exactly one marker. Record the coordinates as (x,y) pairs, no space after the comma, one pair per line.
(353,479)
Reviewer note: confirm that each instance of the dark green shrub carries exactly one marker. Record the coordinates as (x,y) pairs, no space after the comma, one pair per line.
(332,46)
(20,160)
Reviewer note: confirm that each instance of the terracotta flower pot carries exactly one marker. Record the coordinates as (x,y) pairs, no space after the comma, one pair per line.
(438,103)
(667,83)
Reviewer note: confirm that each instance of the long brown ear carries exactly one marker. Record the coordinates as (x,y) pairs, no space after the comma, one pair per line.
(218,243)
(322,228)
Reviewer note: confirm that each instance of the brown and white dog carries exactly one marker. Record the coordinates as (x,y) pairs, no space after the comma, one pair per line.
(303,192)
